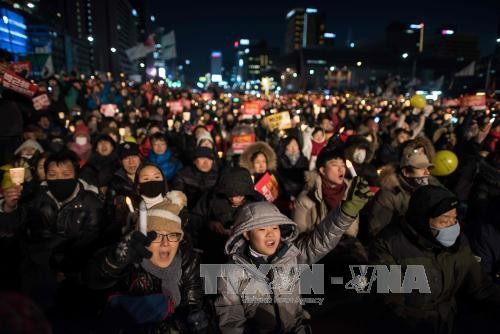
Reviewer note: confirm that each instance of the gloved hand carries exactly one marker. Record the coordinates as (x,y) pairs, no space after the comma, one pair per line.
(132,249)
(359,194)
(197,321)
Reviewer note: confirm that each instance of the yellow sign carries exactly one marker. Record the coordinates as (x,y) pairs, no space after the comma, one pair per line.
(280,121)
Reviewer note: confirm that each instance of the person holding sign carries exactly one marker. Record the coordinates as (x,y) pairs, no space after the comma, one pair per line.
(260,160)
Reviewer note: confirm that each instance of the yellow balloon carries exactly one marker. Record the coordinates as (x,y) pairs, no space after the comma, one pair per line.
(418,101)
(445,162)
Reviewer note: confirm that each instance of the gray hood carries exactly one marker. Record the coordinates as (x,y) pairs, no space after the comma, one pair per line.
(258,215)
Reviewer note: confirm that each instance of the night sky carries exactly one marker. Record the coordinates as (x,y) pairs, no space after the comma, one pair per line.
(204,26)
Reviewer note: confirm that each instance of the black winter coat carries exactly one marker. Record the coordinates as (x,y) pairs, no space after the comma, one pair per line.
(193,183)
(138,282)
(292,177)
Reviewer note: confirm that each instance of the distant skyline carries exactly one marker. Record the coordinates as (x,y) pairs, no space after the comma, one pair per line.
(204,26)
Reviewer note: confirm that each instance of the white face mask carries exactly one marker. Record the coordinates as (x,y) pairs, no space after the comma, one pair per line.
(81,141)
(359,155)
(152,201)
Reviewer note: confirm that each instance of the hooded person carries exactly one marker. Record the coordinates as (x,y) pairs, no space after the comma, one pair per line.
(199,177)
(261,235)
(215,211)
(162,156)
(359,151)
(102,164)
(259,159)
(292,165)
(430,235)
(397,185)
(157,276)
(81,143)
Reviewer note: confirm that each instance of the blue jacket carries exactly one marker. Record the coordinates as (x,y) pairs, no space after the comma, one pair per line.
(168,165)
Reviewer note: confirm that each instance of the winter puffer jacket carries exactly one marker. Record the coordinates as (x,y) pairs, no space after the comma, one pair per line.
(391,202)
(168,164)
(271,315)
(135,281)
(194,183)
(310,208)
(448,271)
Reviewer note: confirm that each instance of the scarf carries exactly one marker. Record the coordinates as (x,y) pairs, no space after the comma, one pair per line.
(170,276)
(332,195)
(317,147)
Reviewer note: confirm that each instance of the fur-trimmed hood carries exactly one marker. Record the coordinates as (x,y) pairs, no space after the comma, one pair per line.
(260,146)
(358,142)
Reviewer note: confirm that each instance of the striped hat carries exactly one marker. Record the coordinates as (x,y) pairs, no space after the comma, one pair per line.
(164,216)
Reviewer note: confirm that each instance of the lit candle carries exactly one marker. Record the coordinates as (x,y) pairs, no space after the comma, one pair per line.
(349,165)
(143,218)
(220,154)
(129,204)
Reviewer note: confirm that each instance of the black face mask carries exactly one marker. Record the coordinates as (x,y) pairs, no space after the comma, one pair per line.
(152,188)
(62,189)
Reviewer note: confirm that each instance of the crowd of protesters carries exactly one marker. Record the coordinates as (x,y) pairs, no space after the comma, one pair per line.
(76,260)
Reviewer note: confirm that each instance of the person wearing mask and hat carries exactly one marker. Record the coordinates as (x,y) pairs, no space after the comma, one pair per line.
(155,276)
(391,202)
(429,235)
(61,226)
(81,144)
(102,164)
(261,235)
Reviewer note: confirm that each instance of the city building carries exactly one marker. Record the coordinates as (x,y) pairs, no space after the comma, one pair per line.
(305,28)
(216,66)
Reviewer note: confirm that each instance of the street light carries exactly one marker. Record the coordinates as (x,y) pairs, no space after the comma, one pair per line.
(498,40)
(359,63)
(142,65)
(30,5)
(332,68)
(405,55)
(311,72)
(113,49)
(90,39)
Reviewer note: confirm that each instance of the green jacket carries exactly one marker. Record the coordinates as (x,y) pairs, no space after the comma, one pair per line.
(449,271)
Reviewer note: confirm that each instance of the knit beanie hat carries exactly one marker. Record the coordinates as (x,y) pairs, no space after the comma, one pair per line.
(164,216)
(204,136)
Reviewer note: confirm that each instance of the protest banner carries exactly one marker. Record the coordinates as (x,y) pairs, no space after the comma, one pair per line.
(268,187)
(241,142)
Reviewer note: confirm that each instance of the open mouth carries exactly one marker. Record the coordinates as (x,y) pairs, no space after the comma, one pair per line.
(270,243)
(164,255)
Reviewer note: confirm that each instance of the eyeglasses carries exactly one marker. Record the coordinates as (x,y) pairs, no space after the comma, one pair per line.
(172,237)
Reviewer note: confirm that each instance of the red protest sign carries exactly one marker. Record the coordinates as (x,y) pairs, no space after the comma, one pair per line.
(241,142)
(250,109)
(176,106)
(268,187)
(19,85)
(474,101)
(20,67)
(41,102)
(186,103)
